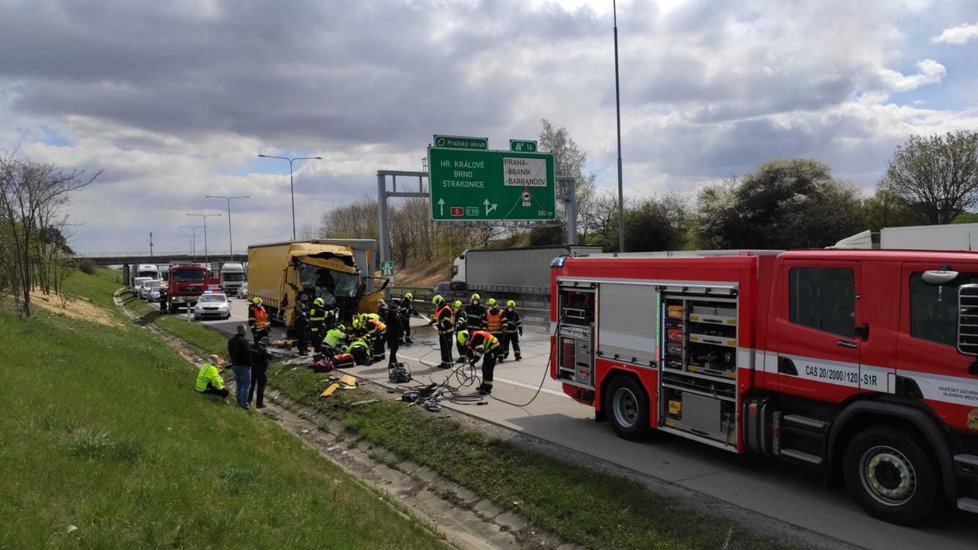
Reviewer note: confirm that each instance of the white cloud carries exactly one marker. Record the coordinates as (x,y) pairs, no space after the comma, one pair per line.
(957,35)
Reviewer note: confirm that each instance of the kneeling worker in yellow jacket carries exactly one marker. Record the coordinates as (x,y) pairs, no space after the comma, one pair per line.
(209,380)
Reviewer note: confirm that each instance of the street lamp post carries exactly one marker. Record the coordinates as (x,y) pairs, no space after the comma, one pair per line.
(621,202)
(204,217)
(230,240)
(291,181)
(193,240)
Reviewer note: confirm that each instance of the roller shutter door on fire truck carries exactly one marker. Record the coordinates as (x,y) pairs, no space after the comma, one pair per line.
(627,322)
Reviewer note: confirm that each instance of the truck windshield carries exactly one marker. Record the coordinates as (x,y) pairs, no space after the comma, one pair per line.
(233,277)
(188,275)
(146,274)
(329,283)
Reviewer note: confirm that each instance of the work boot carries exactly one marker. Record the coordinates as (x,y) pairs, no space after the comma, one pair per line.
(518,357)
(444,365)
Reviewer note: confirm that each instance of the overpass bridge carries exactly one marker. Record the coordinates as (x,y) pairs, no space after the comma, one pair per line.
(122,258)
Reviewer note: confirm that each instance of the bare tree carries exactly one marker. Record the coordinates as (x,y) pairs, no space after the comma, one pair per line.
(569,161)
(32,194)
(937,175)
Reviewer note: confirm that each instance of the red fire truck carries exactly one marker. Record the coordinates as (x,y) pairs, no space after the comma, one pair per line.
(858,363)
(185,284)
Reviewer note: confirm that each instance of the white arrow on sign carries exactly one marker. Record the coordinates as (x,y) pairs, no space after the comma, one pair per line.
(441,207)
(489,207)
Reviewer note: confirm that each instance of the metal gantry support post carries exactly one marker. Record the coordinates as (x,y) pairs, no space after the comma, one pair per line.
(383,225)
(570,211)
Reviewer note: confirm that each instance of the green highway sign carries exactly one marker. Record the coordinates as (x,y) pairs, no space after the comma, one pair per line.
(523,145)
(387,269)
(471,185)
(462,142)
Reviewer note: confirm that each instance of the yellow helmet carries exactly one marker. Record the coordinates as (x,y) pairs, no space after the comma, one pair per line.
(319,302)
(474,297)
(437,299)
(492,302)
(256,300)
(463,336)
(510,303)
(357,323)
(457,304)
(409,296)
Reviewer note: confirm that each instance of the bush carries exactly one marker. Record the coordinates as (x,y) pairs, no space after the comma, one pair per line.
(88,266)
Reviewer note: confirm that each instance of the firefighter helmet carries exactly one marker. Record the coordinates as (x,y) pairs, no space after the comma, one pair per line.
(256,300)
(341,328)
(409,296)
(474,297)
(510,303)
(463,337)
(319,302)
(357,323)
(492,302)
(457,304)
(437,299)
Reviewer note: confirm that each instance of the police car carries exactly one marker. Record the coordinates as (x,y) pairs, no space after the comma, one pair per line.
(212,305)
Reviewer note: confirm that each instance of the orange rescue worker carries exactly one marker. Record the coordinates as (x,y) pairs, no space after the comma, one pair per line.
(494,322)
(482,344)
(444,321)
(258,320)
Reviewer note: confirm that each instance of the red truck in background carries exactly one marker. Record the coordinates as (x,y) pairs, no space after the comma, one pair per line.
(860,364)
(185,284)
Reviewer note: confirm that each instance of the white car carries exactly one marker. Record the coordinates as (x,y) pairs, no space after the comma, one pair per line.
(148,287)
(212,305)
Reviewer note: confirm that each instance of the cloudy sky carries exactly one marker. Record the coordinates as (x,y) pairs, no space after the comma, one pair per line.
(174,100)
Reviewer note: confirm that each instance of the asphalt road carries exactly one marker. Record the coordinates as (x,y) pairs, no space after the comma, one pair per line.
(773,488)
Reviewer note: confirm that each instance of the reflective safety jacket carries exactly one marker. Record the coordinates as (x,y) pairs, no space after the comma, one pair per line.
(461,320)
(358,343)
(444,319)
(375,328)
(333,338)
(317,316)
(208,373)
(258,317)
(481,342)
(475,316)
(494,320)
(511,320)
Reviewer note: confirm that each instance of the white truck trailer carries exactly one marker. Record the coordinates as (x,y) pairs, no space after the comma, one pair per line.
(232,277)
(954,236)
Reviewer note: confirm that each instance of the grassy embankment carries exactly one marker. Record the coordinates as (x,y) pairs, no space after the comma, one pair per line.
(597,510)
(104,443)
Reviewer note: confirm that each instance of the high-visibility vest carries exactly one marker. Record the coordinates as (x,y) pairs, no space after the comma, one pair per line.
(375,326)
(482,341)
(261,317)
(444,318)
(333,337)
(208,373)
(494,320)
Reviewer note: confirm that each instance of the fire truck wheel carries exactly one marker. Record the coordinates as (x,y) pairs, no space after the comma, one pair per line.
(628,408)
(891,475)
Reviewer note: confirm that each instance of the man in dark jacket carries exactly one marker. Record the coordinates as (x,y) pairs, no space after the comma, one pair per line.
(301,327)
(259,371)
(393,320)
(240,355)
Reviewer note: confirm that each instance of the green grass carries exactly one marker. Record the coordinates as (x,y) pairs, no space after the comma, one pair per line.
(579,505)
(101,430)
(200,336)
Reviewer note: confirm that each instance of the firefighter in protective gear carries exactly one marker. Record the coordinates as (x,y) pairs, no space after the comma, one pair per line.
(494,323)
(406,306)
(317,320)
(376,335)
(475,314)
(334,341)
(482,344)
(360,350)
(512,330)
(461,323)
(445,323)
(258,320)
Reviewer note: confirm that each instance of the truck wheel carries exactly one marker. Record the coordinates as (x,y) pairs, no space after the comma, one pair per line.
(889,472)
(627,406)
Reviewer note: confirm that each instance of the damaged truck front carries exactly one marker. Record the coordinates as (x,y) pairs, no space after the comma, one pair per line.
(282,274)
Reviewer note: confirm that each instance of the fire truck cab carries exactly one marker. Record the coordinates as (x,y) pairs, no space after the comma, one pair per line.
(859,363)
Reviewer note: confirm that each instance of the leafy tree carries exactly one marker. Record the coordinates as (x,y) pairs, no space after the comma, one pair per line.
(569,161)
(655,225)
(886,209)
(937,175)
(785,203)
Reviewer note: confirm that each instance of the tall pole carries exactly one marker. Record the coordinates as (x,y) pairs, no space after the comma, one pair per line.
(621,201)
(150,244)
(193,240)
(291,180)
(230,239)
(204,217)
